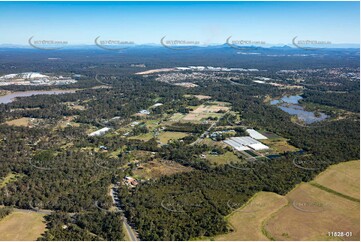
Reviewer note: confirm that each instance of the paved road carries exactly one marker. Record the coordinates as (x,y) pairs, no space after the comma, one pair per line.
(129,230)
(204,134)
(131,234)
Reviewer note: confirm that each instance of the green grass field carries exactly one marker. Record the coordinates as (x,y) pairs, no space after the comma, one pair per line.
(156,169)
(144,137)
(164,137)
(176,117)
(279,145)
(222,159)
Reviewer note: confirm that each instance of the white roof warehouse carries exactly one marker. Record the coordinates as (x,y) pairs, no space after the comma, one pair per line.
(245,143)
(100,132)
(256,135)
(236,145)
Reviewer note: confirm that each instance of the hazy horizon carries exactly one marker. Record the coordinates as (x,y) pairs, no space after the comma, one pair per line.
(275,23)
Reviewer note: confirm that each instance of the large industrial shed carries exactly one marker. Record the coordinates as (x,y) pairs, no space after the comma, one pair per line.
(236,145)
(100,132)
(256,135)
(245,143)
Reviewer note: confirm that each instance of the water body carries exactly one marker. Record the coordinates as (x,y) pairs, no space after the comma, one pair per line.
(287,99)
(12,96)
(290,104)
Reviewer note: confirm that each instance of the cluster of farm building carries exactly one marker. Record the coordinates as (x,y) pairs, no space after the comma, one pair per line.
(247,142)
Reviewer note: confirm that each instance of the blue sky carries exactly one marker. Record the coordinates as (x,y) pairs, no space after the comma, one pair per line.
(206,22)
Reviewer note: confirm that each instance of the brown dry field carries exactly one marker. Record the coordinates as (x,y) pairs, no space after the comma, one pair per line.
(156,169)
(311,214)
(246,222)
(199,116)
(140,114)
(19,122)
(23,226)
(204,111)
(77,107)
(210,109)
(202,97)
(343,178)
(25,122)
(305,213)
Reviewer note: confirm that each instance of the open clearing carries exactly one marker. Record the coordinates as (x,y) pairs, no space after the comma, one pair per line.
(26,122)
(203,111)
(343,178)
(305,213)
(246,222)
(202,97)
(74,106)
(141,156)
(68,121)
(279,145)
(200,116)
(152,123)
(212,143)
(22,226)
(222,159)
(177,117)
(164,137)
(144,137)
(216,107)
(156,169)
(19,122)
